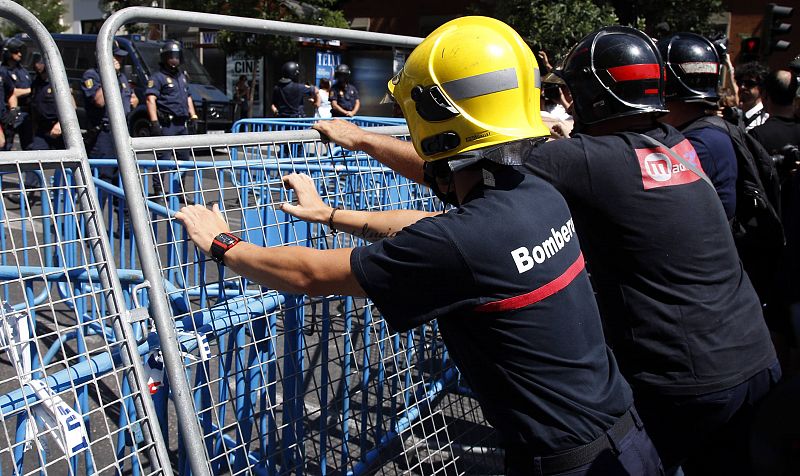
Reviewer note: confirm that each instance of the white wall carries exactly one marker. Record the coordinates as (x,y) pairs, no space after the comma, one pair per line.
(78,10)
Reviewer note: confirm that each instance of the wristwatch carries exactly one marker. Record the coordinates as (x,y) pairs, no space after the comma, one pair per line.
(221,244)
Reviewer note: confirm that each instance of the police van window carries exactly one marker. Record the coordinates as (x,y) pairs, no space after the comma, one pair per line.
(149,53)
(69,54)
(84,59)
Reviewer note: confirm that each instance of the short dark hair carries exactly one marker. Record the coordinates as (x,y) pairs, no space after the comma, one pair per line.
(754,70)
(781,87)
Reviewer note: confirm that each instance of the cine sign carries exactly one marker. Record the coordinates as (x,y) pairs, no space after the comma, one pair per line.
(243,66)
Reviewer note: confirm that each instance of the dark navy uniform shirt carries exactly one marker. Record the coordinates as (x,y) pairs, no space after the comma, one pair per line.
(345,96)
(680,313)
(288,98)
(715,151)
(16,78)
(91,83)
(506,282)
(172,93)
(5,90)
(44,104)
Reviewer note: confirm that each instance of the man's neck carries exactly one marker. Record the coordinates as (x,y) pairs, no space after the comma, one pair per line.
(465,181)
(776,110)
(681,113)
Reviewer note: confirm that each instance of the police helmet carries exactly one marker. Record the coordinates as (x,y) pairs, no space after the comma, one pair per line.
(615,71)
(471,84)
(171,49)
(342,72)
(290,70)
(10,46)
(693,68)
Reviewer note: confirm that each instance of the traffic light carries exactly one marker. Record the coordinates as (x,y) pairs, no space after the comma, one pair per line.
(773,27)
(750,49)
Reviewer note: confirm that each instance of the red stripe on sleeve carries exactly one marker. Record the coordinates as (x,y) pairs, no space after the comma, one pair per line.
(538,294)
(632,72)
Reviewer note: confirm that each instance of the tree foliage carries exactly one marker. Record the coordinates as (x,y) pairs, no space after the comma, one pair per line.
(680,15)
(47,11)
(555,25)
(551,25)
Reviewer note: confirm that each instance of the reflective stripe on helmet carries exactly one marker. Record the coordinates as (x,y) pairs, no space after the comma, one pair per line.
(482,84)
(634,72)
(698,67)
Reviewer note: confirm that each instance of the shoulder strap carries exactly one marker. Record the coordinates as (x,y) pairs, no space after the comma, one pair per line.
(677,157)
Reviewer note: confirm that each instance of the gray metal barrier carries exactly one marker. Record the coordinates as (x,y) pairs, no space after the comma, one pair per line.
(73,390)
(269,383)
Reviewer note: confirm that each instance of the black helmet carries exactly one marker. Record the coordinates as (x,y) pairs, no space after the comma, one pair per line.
(171,49)
(290,70)
(692,65)
(12,45)
(615,71)
(342,72)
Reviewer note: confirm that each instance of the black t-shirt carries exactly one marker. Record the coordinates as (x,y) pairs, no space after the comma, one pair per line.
(680,313)
(288,98)
(776,133)
(505,278)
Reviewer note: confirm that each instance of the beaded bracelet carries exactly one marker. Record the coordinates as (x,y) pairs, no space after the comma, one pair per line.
(330,220)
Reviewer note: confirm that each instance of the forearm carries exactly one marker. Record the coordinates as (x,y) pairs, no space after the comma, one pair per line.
(99,98)
(192,112)
(398,155)
(374,226)
(21,92)
(356,107)
(152,110)
(336,107)
(296,269)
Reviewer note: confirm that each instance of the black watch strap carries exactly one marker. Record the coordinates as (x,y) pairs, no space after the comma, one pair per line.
(221,244)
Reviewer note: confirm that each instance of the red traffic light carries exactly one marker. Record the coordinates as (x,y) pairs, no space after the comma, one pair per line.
(751,45)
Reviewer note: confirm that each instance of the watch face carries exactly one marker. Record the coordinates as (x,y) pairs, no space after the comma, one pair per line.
(226,240)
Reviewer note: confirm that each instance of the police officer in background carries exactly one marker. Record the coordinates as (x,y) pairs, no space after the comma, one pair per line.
(16,78)
(527,337)
(47,128)
(169,105)
(288,95)
(680,313)
(99,141)
(344,96)
(5,91)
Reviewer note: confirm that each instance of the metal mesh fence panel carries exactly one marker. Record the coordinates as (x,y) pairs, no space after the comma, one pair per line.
(72,388)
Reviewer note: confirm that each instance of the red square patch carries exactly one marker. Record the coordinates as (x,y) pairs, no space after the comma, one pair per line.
(659,169)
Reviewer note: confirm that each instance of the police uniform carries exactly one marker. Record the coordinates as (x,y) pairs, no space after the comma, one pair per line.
(679,312)
(5,90)
(288,97)
(17,77)
(172,100)
(43,104)
(518,317)
(171,90)
(103,145)
(345,96)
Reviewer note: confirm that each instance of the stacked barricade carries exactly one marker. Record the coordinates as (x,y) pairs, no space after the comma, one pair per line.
(281,383)
(73,389)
